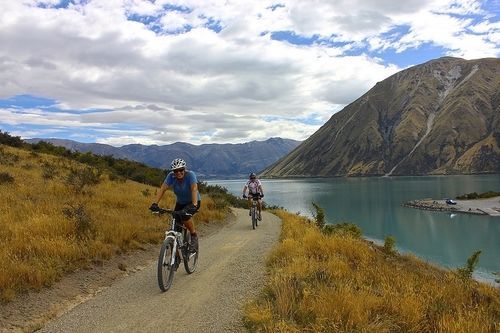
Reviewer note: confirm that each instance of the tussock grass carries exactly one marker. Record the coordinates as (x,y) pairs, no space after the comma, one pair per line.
(337,282)
(48,228)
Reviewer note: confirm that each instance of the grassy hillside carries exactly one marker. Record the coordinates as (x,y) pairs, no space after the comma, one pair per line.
(338,282)
(57,215)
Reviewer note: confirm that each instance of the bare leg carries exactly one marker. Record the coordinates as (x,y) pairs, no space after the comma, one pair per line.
(190,226)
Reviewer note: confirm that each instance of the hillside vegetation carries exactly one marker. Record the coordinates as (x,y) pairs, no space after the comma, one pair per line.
(58,215)
(334,281)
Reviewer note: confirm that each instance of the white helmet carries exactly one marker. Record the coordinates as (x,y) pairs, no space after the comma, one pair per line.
(177,164)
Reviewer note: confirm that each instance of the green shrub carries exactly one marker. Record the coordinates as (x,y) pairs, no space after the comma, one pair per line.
(346,229)
(9,140)
(78,180)
(466,271)
(7,158)
(83,222)
(116,178)
(319,216)
(49,171)
(6,178)
(389,245)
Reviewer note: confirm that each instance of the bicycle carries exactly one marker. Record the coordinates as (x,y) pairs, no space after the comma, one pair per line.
(175,248)
(254,209)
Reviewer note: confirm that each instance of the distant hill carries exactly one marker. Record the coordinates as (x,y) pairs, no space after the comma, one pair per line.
(441,117)
(208,160)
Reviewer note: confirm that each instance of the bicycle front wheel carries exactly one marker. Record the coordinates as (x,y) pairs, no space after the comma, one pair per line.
(190,257)
(165,269)
(254,218)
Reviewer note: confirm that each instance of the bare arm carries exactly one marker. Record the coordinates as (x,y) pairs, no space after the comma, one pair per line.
(162,190)
(194,194)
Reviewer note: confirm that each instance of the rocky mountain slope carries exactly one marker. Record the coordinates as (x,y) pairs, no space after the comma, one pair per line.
(440,117)
(208,160)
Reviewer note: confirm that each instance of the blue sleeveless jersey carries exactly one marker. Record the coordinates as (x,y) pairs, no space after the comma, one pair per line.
(182,189)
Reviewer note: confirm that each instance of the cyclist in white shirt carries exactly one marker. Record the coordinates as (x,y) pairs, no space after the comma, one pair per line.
(254,187)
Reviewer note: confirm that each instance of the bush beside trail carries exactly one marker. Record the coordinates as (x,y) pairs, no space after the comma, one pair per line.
(334,281)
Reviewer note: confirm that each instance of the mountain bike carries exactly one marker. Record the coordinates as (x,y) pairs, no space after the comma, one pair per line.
(254,210)
(175,248)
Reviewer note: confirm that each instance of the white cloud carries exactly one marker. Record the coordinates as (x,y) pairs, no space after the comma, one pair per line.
(203,86)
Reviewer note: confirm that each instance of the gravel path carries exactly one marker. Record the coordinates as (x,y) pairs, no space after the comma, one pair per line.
(230,271)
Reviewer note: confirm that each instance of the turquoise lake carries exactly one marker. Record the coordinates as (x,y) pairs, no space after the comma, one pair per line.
(374,204)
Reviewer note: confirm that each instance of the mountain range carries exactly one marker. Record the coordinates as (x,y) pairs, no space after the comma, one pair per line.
(440,117)
(208,160)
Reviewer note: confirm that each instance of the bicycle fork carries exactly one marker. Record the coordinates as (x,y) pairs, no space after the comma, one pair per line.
(174,250)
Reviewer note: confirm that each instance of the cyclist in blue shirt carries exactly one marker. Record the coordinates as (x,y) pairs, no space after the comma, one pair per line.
(185,186)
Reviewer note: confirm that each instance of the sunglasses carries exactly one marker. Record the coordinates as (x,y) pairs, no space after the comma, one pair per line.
(179,170)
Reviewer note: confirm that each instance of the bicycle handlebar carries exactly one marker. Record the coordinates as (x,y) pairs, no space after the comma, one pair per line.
(162,211)
(254,197)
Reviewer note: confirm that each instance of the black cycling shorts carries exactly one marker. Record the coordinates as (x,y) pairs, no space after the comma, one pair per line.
(179,206)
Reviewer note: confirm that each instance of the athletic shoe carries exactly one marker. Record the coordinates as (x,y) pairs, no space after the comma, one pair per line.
(260,218)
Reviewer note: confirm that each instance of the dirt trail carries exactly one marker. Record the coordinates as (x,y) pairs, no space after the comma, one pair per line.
(230,271)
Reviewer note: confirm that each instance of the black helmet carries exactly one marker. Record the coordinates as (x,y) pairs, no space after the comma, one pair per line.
(252,176)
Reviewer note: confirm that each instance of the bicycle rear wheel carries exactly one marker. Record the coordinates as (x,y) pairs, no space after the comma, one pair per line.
(190,258)
(165,269)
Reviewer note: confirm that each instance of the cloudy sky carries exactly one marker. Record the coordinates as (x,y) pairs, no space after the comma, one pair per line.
(215,71)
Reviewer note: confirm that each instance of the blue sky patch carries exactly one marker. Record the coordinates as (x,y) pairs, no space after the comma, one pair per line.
(144,19)
(410,56)
(27,101)
(63,4)
(81,134)
(492,6)
(213,25)
(292,38)
(23,102)
(395,33)
(176,8)
(311,119)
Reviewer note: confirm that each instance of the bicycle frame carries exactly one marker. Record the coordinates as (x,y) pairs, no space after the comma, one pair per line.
(175,248)
(253,210)
(177,237)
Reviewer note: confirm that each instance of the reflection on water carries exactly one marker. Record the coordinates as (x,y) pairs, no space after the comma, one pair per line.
(374,204)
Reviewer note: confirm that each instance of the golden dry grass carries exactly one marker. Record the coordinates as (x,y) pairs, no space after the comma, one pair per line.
(48,230)
(321,283)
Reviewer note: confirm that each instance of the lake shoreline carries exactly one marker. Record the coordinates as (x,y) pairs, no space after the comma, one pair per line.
(489,207)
